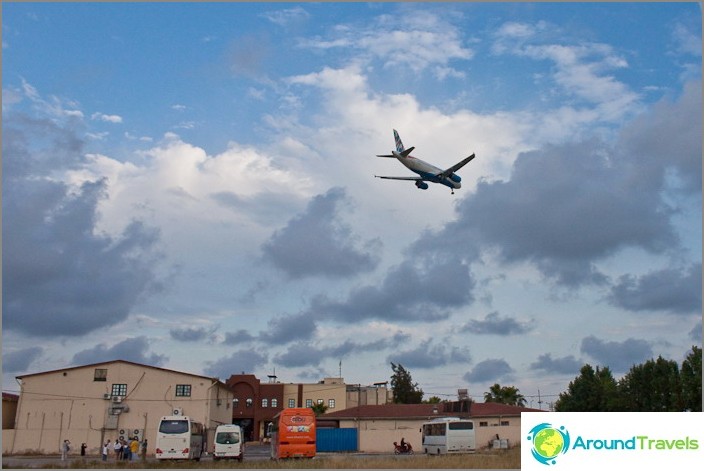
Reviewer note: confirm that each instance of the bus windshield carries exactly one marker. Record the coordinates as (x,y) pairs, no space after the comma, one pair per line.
(173,426)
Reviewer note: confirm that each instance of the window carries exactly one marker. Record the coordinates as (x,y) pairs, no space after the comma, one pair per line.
(320,401)
(265,402)
(504,423)
(119,390)
(248,402)
(183,390)
(331,403)
(101,374)
(483,424)
(461,425)
(235,403)
(309,402)
(292,403)
(274,402)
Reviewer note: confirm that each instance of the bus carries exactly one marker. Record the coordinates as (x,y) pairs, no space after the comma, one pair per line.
(228,442)
(293,433)
(179,438)
(448,435)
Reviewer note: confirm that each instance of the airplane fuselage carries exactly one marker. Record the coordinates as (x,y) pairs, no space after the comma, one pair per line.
(427,171)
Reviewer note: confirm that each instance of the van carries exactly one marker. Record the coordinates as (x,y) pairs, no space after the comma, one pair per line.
(228,442)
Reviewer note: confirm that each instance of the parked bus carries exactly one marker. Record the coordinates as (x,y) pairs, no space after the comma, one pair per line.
(448,435)
(293,433)
(179,438)
(228,442)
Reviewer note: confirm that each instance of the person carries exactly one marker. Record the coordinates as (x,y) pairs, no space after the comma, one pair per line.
(403,444)
(65,448)
(105,450)
(125,450)
(118,449)
(144,450)
(83,449)
(134,449)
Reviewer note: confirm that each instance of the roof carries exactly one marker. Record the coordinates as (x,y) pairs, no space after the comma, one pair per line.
(140,365)
(424,411)
(10,397)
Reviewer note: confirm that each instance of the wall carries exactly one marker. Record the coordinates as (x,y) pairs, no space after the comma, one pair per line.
(69,404)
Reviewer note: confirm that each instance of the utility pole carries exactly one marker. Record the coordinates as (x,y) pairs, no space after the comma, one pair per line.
(540,403)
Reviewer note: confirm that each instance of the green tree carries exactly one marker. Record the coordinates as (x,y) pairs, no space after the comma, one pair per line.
(432,400)
(653,386)
(404,389)
(691,376)
(319,408)
(505,395)
(591,391)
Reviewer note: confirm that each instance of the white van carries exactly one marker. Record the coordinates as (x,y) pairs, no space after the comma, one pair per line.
(228,442)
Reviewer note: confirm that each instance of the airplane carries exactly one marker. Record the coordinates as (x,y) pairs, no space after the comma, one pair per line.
(427,172)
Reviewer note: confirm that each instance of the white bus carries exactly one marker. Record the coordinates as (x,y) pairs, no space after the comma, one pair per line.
(179,438)
(228,442)
(448,435)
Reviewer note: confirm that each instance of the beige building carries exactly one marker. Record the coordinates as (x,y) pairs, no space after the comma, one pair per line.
(104,401)
(334,393)
(379,426)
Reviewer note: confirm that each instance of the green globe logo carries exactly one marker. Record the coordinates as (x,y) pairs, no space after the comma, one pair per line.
(548,442)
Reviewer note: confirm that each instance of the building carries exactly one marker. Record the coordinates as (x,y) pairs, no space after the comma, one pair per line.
(255,403)
(104,401)
(378,426)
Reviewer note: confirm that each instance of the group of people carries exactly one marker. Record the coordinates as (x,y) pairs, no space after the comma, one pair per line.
(126,450)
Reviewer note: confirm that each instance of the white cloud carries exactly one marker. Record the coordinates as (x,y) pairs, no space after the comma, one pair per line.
(107,118)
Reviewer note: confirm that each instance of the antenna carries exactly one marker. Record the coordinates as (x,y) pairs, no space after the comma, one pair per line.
(540,403)
(340,370)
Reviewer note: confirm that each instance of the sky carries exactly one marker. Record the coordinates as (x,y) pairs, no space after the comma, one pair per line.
(191,186)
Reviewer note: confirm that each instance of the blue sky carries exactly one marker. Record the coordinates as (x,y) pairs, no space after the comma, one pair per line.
(191,186)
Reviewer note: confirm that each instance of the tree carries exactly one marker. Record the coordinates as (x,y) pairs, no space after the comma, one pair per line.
(432,400)
(505,395)
(691,376)
(653,386)
(591,391)
(319,408)
(404,389)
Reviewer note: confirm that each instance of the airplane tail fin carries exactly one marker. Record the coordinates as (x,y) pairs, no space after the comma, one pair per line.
(399,144)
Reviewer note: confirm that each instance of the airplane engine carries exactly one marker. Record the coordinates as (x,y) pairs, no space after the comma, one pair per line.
(455,178)
(422,185)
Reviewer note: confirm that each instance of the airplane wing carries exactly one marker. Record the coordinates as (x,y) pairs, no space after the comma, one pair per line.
(455,167)
(400,178)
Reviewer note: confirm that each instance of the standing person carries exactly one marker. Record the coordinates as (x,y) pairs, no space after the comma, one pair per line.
(105,450)
(65,448)
(83,449)
(118,449)
(125,450)
(144,450)
(134,448)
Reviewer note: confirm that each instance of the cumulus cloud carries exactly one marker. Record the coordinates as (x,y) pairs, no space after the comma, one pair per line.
(618,356)
(311,354)
(495,324)
(429,355)
(490,370)
(318,243)
(411,291)
(238,337)
(134,349)
(286,329)
(193,334)
(243,360)
(550,365)
(678,291)
(19,361)
(423,40)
